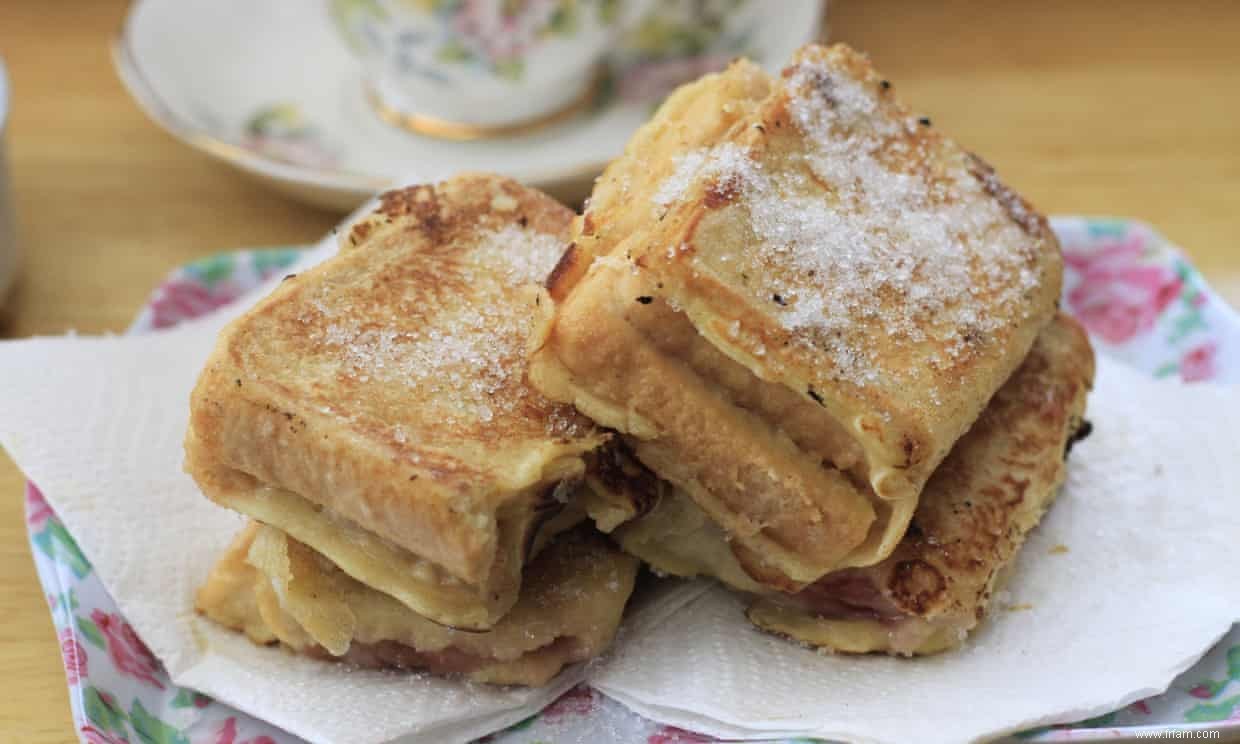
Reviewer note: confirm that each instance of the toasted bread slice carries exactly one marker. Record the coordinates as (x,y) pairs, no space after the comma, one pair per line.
(971,521)
(376,406)
(793,296)
(276,588)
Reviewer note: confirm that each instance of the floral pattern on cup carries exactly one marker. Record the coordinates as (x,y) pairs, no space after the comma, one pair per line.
(120,694)
(679,41)
(490,37)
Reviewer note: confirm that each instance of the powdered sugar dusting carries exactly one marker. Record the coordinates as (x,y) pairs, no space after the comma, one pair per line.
(904,250)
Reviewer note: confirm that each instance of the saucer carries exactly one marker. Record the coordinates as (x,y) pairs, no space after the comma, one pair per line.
(269,88)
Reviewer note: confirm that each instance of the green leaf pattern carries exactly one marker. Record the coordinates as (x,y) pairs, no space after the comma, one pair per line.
(151,730)
(103,712)
(90,631)
(56,543)
(1211,712)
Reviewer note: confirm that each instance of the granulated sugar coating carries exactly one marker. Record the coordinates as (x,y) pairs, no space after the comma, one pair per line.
(458,347)
(520,255)
(866,222)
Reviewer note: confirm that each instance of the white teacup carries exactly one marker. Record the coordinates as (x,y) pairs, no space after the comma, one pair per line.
(8,231)
(472,68)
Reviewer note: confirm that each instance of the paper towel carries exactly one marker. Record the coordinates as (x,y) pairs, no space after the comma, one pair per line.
(98,423)
(1151,519)
(1150,516)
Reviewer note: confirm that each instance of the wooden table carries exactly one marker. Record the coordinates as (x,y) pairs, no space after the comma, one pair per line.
(1098,108)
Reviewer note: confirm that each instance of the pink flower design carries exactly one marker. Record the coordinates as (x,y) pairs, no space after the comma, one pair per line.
(1201,691)
(129,654)
(579,701)
(182,299)
(1199,363)
(228,732)
(1140,707)
(673,735)
(92,735)
(37,509)
(500,32)
(1117,298)
(651,81)
(74,655)
(228,735)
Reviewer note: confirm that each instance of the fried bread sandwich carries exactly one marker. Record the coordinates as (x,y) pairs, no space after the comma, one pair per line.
(792,297)
(971,520)
(373,414)
(274,588)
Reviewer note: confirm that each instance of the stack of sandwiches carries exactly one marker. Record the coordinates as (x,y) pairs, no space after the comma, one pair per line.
(413,498)
(798,342)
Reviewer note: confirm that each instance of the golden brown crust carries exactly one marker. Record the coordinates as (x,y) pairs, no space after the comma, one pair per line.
(973,517)
(227,597)
(570,608)
(418,583)
(995,487)
(567,272)
(704,444)
(804,409)
(388,384)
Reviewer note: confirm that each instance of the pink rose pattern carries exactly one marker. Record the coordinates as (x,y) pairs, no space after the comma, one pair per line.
(1134,293)
(1119,297)
(228,735)
(92,735)
(74,656)
(673,735)
(1124,286)
(579,701)
(129,654)
(37,509)
(1200,363)
(182,299)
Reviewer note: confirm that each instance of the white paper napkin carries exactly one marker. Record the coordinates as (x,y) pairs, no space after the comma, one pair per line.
(1151,517)
(98,423)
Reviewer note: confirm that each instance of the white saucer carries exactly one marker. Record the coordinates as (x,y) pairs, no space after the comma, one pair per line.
(268,87)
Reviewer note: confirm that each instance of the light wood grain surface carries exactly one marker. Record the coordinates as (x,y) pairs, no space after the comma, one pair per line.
(1125,109)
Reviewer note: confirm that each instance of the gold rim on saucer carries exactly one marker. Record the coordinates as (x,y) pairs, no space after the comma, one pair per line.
(136,81)
(432,126)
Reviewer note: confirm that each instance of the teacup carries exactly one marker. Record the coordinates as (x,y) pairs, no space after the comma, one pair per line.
(473,68)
